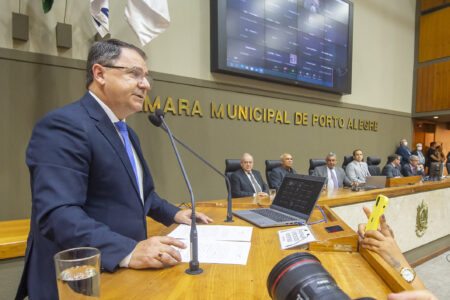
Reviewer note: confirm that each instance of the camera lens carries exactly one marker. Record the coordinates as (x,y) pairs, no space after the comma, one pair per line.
(302,276)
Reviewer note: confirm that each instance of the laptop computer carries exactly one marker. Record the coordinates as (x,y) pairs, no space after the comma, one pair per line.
(374,182)
(293,203)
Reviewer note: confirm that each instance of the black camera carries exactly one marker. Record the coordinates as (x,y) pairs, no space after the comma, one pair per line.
(302,276)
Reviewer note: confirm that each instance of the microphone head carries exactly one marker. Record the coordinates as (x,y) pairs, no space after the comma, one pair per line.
(155,120)
(159,113)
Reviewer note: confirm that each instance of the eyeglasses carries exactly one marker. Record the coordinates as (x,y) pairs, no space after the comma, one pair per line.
(137,73)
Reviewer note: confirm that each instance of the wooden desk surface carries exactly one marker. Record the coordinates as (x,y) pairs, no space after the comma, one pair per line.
(13,238)
(346,196)
(351,270)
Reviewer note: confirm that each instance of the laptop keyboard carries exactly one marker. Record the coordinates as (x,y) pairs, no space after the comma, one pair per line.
(273,215)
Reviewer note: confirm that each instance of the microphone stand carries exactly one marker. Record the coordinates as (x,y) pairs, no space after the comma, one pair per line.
(229,201)
(156,121)
(194,265)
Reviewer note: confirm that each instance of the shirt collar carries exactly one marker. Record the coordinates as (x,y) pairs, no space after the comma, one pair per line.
(105,107)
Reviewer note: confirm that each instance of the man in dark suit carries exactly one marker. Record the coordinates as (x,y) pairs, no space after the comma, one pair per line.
(277,174)
(247,182)
(392,167)
(90,183)
(404,151)
(336,177)
(413,168)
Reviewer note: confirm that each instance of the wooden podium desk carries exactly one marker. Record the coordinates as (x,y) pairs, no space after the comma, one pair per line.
(357,274)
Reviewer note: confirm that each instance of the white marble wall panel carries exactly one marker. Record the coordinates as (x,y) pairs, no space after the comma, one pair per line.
(401,216)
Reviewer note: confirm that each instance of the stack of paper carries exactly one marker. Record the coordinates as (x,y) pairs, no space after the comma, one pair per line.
(217,243)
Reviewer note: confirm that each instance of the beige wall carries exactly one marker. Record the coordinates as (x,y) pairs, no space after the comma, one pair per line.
(33,84)
(383,45)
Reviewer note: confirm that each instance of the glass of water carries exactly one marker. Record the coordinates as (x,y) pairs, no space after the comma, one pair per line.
(78,273)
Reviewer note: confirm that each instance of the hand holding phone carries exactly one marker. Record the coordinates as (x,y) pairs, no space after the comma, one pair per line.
(377,211)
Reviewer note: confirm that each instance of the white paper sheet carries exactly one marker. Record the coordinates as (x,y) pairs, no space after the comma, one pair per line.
(215,233)
(218,252)
(293,237)
(217,244)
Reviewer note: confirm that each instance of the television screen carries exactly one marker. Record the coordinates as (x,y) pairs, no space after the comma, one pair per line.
(306,43)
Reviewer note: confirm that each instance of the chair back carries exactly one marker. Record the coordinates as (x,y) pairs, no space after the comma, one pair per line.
(372,163)
(270,165)
(231,165)
(315,162)
(347,159)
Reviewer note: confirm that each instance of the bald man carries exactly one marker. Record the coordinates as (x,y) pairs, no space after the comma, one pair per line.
(277,174)
(247,182)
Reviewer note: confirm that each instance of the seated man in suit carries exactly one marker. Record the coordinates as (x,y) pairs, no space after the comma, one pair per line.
(335,175)
(414,168)
(277,174)
(90,183)
(357,170)
(247,182)
(392,167)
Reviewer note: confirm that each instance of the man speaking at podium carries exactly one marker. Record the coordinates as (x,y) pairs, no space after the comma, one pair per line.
(90,183)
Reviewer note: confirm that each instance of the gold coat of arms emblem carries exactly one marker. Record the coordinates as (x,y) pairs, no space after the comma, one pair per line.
(421,219)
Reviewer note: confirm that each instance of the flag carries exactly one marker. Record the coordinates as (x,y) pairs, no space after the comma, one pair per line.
(100,16)
(47,5)
(148,18)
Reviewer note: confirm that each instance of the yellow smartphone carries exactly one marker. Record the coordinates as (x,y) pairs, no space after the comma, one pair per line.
(377,211)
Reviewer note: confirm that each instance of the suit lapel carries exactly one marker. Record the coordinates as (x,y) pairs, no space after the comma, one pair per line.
(246,179)
(106,127)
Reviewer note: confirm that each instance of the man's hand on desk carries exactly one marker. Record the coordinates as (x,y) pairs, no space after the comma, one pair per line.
(156,252)
(184,217)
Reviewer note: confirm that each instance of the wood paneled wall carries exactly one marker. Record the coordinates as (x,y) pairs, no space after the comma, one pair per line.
(429,4)
(434,35)
(433,70)
(433,87)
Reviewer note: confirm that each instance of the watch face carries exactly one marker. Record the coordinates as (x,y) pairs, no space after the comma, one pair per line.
(407,274)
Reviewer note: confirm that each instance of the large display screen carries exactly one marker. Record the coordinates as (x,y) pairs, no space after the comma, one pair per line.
(300,42)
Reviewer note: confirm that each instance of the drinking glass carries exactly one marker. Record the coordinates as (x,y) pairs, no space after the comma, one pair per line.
(78,273)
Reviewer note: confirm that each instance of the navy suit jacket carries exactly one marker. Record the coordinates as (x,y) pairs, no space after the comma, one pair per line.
(390,171)
(84,193)
(277,174)
(405,153)
(407,171)
(241,185)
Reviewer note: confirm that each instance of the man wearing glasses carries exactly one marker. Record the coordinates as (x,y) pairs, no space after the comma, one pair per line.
(90,183)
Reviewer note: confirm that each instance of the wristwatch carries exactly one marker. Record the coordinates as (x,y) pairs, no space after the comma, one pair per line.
(408,274)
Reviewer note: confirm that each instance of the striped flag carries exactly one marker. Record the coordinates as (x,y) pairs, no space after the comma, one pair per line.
(148,18)
(100,16)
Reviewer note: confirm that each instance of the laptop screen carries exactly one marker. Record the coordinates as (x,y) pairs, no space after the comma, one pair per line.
(299,193)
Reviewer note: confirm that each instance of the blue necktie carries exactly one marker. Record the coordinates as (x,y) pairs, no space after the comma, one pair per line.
(123,129)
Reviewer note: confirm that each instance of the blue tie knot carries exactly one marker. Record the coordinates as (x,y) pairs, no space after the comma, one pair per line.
(121,126)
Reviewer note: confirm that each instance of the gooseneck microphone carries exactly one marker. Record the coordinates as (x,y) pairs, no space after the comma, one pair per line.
(194,265)
(155,120)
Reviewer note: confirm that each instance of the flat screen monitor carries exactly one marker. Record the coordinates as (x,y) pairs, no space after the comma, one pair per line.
(306,43)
